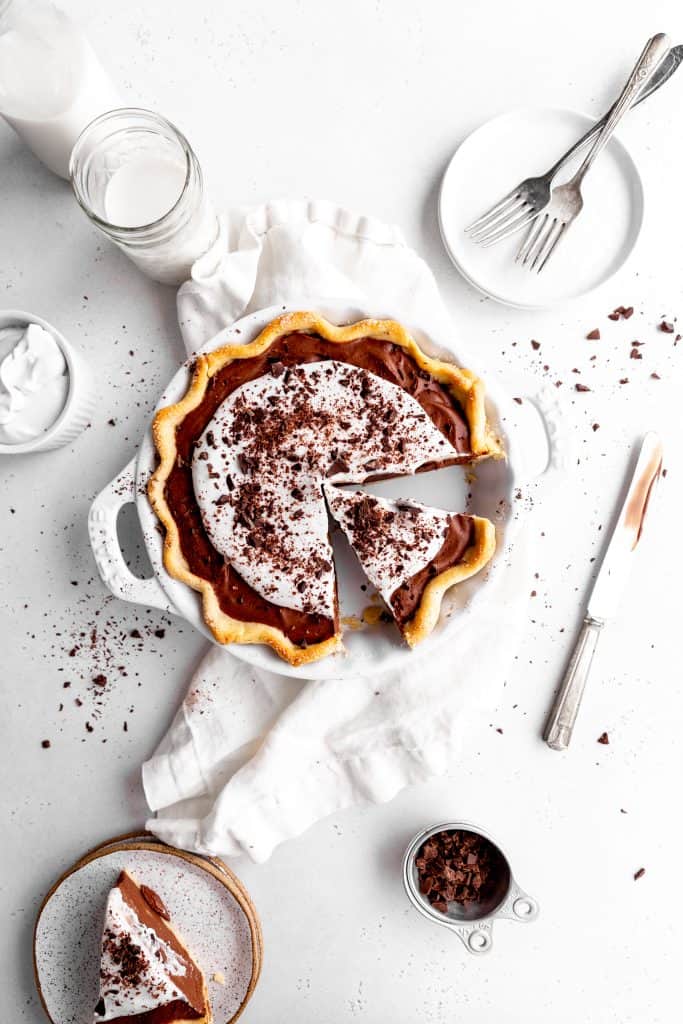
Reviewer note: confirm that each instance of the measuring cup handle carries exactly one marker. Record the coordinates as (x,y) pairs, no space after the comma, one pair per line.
(477,937)
(519,906)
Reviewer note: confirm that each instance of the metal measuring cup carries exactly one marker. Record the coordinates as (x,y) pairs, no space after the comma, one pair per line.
(474,924)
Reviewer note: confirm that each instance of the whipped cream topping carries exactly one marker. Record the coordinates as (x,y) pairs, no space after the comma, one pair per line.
(259,468)
(136,965)
(393,540)
(34,382)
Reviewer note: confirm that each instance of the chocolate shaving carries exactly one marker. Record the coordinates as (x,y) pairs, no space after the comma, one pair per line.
(456,866)
(621,312)
(593,335)
(153,900)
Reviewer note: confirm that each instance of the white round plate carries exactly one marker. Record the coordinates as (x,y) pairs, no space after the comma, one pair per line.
(489,490)
(518,145)
(69,931)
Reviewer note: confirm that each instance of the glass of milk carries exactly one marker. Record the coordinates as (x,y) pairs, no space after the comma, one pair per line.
(139,181)
(51,82)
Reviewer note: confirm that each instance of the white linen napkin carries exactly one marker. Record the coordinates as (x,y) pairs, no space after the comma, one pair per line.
(252,757)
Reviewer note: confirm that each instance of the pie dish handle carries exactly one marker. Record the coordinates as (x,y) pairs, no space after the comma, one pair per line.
(547,432)
(106,549)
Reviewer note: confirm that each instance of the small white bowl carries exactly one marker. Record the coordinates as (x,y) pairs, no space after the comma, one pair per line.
(80,398)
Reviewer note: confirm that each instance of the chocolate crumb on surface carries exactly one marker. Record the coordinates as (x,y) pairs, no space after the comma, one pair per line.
(581,387)
(593,335)
(638,874)
(666,327)
(45,744)
(603,738)
(621,313)
(535,345)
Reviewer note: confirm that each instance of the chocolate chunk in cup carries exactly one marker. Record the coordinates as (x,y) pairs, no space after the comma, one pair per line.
(457,876)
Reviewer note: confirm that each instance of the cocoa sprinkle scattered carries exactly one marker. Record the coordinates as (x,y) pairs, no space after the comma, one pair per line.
(621,312)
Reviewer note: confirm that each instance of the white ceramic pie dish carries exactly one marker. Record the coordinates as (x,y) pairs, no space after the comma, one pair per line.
(492,489)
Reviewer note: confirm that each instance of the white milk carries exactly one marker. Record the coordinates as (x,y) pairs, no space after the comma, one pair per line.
(51,82)
(143,190)
(139,181)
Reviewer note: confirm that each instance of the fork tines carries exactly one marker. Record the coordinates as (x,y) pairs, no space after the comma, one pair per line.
(540,242)
(511,214)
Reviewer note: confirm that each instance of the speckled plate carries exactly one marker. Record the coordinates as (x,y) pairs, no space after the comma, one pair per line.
(209,906)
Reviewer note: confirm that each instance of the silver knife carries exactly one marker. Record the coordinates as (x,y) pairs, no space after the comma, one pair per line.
(607,590)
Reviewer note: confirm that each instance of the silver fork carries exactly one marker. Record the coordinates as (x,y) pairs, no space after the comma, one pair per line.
(520,206)
(566,201)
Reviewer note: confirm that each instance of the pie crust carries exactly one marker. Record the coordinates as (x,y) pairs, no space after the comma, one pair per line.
(475,558)
(465,387)
(395,552)
(142,899)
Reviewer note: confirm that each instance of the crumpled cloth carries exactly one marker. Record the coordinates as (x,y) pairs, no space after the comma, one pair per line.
(252,757)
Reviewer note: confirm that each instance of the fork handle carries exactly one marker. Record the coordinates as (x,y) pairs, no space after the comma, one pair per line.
(648,62)
(665,70)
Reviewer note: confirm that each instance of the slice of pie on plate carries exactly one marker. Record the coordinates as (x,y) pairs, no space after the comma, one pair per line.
(147,975)
(411,553)
(244,456)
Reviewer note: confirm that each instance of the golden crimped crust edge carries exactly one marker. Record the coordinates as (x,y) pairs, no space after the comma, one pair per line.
(464,385)
(208,1015)
(474,559)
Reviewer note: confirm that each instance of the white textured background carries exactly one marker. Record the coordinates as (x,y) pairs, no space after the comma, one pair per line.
(363,103)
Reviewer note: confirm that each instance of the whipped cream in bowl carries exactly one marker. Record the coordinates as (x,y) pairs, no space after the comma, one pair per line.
(46,393)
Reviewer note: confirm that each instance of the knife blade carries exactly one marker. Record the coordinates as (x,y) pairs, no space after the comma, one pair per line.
(607,591)
(618,558)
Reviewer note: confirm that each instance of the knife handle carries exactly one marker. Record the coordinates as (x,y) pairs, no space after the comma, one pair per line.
(560,724)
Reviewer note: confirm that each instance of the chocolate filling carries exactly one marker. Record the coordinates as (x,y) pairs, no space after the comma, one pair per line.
(385,359)
(190,984)
(406,598)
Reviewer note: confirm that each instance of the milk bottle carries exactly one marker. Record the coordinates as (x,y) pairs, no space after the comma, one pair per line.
(51,82)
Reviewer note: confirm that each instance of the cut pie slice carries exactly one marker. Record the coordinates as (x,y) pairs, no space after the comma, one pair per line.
(147,976)
(245,453)
(411,553)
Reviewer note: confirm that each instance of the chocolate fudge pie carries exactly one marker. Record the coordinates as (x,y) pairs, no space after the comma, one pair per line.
(147,976)
(411,553)
(244,456)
